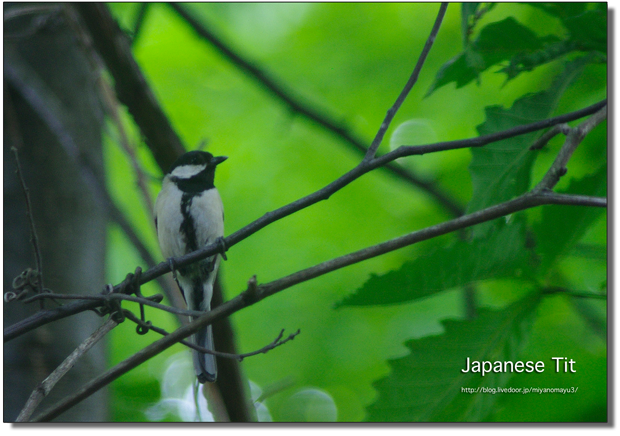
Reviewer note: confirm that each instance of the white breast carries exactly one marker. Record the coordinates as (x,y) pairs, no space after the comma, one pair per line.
(206,209)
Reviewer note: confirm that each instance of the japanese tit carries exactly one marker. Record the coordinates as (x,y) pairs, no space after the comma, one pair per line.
(189,215)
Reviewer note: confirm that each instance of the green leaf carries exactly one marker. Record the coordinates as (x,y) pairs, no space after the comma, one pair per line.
(562,10)
(426,385)
(562,227)
(459,70)
(501,171)
(502,255)
(589,29)
(528,61)
(501,40)
(508,40)
(497,42)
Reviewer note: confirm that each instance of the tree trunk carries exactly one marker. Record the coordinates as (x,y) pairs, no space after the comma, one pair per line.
(70,224)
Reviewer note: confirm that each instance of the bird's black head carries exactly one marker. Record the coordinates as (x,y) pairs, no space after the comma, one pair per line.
(197,158)
(195,170)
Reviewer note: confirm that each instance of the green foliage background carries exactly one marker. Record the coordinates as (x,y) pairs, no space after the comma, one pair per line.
(351,61)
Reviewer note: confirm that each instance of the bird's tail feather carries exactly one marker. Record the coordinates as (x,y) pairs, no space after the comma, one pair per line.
(204,364)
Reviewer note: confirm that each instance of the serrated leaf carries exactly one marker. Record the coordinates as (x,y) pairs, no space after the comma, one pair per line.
(552,50)
(562,227)
(497,42)
(456,70)
(426,385)
(501,171)
(502,255)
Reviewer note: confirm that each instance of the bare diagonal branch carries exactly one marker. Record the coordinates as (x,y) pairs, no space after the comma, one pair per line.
(372,150)
(44,388)
(131,86)
(33,231)
(573,139)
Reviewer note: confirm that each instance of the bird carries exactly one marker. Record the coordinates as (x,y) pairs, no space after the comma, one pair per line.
(189,214)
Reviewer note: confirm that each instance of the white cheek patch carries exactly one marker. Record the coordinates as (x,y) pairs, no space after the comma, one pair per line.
(187,171)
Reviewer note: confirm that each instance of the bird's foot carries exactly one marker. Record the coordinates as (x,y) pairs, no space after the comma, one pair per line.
(220,241)
(173,268)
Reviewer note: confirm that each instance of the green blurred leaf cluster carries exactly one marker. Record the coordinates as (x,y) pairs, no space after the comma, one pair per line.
(509,41)
(391,350)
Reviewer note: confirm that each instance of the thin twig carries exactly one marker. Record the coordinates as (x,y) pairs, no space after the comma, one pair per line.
(29,10)
(547,136)
(573,139)
(372,150)
(137,27)
(574,199)
(275,343)
(151,301)
(45,387)
(131,86)
(111,105)
(33,231)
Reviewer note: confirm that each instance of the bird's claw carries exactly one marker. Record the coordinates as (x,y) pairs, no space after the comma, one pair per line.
(173,269)
(220,241)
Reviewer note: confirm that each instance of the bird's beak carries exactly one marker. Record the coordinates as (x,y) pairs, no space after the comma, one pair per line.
(218,160)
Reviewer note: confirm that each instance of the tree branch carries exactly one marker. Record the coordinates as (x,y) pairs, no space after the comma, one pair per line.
(372,150)
(548,135)
(45,387)
(573,139)
(274,344)
(130,84)
(481,141)
(152,301)
(523,202)
(139,21)
(33,231)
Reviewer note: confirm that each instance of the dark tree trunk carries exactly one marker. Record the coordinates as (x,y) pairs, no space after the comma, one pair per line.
(71,226)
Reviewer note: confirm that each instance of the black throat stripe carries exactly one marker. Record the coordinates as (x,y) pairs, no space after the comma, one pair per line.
(188,230)
(198,294)
(188,226)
